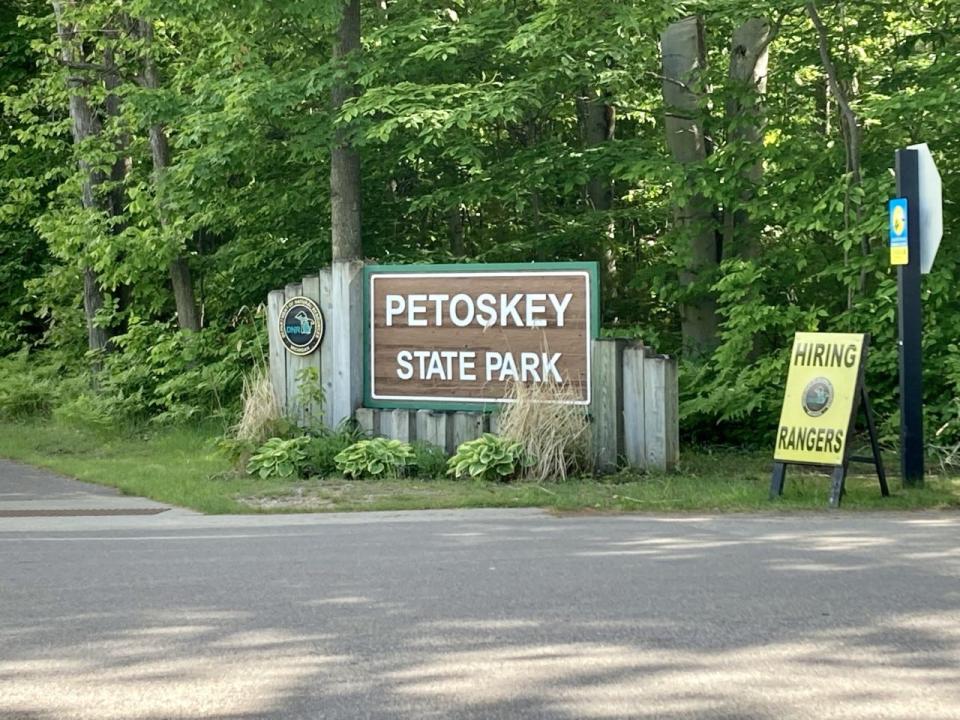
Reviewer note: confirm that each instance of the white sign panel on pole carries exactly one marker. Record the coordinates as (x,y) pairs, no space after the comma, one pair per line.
(931,207)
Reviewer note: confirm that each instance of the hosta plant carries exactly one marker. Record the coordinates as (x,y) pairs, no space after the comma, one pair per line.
(278,457)
(375,458)
(489,458)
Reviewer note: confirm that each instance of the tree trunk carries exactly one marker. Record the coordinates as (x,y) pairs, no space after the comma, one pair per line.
(344,158)
(85,124)
(458,245)
(187,316)
(747,84)
(850,125)
(682,47)
(597,123)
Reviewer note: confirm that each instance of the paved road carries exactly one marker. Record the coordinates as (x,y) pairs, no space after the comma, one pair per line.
(480,614)
(28,491)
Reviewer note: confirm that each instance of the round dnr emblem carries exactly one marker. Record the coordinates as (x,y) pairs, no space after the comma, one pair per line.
(301,325)
(817,397)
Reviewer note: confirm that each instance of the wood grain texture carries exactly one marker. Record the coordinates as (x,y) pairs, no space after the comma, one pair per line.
(467,426)
(294,364)
(571,340)
(368,420)
(346,340)
(276,351)
(327,374)
(399,424)
(661,407)
(314,412)
(435,428)
(634,427)
(606,410)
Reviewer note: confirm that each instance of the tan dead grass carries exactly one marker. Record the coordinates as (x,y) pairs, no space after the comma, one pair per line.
(554,433)
(261,411)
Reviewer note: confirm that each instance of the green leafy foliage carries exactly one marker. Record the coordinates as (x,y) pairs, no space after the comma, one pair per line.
(470,120)
(488,458)
(429,461)
(375,458)
(323,449)
(279,458)
(33,384)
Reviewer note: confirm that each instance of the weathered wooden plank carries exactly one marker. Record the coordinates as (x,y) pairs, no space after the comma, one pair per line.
(325,352)
(346,339)
(294,364)
(634,428)
(672,430)
(420,425)
(493,422)
(399,424)
(435,428)
(276,352)
(369,421)
(467,426)
(313,412)
(661,412)
(606,406)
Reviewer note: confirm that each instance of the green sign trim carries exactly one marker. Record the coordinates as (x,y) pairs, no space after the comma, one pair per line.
(592,269)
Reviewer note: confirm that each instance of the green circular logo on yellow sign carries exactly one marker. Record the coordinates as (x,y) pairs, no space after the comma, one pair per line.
(817,397)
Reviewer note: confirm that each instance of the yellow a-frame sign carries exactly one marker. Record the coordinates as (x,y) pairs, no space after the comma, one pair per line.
(825,385)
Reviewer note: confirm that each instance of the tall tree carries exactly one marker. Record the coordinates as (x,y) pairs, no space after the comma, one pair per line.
(747,83)
(347,243)
(684,58)
(187,316)
(85,125)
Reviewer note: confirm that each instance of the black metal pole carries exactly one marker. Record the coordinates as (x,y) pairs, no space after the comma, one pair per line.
(910,322)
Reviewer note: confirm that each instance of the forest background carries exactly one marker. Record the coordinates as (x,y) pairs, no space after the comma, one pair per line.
(165,163)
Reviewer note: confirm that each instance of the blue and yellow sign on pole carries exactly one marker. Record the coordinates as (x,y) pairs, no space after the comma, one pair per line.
(899,252)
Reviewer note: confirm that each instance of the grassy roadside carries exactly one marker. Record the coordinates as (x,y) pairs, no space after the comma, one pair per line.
(179,466)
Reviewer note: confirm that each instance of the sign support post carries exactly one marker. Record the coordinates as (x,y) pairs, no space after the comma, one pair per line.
(910,324)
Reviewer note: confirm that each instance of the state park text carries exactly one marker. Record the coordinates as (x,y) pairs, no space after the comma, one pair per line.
(465,336)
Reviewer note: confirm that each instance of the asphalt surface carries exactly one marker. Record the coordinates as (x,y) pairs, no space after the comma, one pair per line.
(480,614)
(30,491)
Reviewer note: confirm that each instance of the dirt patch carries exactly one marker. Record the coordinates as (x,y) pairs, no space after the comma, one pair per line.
(328,495)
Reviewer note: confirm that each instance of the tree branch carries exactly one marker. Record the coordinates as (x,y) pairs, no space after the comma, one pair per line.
(831,70)
(77,65)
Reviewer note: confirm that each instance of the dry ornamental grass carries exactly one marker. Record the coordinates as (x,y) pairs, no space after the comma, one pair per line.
(554,433)
(261,411)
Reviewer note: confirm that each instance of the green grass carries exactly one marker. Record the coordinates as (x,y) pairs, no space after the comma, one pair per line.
(180,466)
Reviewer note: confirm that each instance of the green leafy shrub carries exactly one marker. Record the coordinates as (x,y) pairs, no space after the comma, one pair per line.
(322,452)
(174,377)
(279,458)
(375,458)
(236,450)
(430,461)
(488,458)
(33,384)
(95,412)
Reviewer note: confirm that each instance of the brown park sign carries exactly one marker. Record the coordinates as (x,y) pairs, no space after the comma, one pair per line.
(457,336)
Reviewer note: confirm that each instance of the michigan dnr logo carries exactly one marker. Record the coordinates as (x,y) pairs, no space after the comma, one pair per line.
(301,325)
(817,397)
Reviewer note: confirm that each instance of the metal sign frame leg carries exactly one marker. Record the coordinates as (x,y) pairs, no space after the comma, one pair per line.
(838,475)
(777,480)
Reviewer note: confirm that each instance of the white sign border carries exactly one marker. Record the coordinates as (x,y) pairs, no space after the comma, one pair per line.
(479,273)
